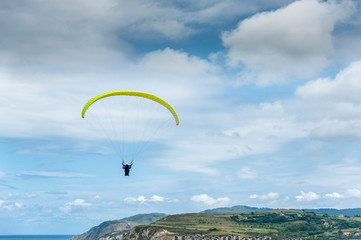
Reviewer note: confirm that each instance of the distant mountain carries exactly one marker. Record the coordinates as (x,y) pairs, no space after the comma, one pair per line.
(332,211)
(238,209)
(144,219)
(118,226)
(246,209)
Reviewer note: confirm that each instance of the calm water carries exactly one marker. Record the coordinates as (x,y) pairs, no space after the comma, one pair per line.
(35,237)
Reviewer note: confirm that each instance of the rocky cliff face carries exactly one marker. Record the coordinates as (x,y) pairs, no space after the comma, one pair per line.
(102,230)
(114,236)
(147,233)
(114,230)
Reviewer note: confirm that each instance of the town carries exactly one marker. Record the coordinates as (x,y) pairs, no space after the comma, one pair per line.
(226,237)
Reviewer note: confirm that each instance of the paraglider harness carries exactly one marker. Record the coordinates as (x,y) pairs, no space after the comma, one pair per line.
(127,167)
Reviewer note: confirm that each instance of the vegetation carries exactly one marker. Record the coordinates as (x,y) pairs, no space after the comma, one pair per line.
(280,223)
(144,218)
(246,209)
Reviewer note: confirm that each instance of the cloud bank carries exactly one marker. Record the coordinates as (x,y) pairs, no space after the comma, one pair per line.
(296,39)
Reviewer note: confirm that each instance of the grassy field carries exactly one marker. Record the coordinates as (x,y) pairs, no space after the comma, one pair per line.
(282,223)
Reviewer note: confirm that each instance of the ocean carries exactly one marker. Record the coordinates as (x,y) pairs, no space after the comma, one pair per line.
(35,237)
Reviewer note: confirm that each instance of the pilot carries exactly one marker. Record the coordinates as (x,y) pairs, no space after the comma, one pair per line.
(127,167)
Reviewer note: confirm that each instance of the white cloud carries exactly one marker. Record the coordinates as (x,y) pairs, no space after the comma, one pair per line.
(18,205)
(156,198)
(334,195)
(310,196)
(91,31)
(254,196)
(176,62)
(1,202)
(207,200)
(73,36)
(130,200)
(268,196)
(187,82)
(295,39)
(336,103)
(353,192)
(78,202)
(264,127)
(142,199)
(344,87)
(2,175)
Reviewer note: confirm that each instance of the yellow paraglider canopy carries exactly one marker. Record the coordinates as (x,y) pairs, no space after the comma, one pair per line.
(131,93)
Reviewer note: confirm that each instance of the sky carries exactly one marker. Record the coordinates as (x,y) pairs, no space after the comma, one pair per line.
(267,93)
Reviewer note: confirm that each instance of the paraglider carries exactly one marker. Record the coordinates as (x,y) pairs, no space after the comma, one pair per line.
(132,123)
(127,167)
(131,93)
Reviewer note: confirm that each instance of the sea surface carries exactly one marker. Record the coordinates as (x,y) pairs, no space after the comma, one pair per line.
(35,237)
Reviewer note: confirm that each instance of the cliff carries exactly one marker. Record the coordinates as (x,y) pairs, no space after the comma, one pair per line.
(144,233)
(147,233)
(113,230)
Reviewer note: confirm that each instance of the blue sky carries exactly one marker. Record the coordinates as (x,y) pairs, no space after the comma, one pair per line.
(267,92)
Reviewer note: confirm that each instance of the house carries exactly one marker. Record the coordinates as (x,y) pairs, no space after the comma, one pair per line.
(346,234)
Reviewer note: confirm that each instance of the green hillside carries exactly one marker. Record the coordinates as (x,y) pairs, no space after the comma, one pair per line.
(246,209)
(281,223)
(238,209)
(144,218)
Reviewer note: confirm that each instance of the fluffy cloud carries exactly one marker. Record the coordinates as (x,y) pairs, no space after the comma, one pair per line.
(295,39)
(142,199)
(268,196)
(207,200)
(334,195)
(310,196)
(334,104)
(78,202)
(344,87)
(29,111)
(71,37)
(156,198)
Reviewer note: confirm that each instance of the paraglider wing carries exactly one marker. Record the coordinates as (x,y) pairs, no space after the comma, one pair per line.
(131,93)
